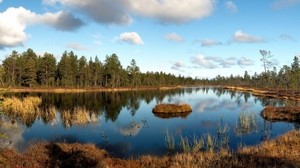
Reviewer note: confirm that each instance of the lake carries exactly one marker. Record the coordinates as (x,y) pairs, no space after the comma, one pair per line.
(123,122)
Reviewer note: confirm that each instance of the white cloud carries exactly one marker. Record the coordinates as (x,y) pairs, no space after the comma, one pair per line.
(131,38)
(173,11)
(210,42)
(279,4)
(178,66)
(245,62)
(204,62)
(231,6)
(173,37)
(101,11)
(287,37)
(14,21)
(241,37)
(1,1)
(77,46)
(229,62)
(119,11)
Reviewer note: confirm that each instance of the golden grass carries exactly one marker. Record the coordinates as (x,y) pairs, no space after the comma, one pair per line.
(172,108)
(281,152)
(26,105)
(281,113)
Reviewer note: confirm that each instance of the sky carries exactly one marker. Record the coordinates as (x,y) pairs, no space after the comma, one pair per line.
(197,38)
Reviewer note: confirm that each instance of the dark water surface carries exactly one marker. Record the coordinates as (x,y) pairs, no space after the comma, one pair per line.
(123,122)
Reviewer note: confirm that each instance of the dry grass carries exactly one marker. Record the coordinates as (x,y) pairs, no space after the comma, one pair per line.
(18,106)
(172,108)
(281,113)
(281,152)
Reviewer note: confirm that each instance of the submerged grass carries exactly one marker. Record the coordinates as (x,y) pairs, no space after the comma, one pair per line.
(246,124)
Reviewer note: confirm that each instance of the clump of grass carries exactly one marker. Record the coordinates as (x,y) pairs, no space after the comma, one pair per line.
(222,136)
(246,124)
(172,108)
(169,140)
(194,145)
(21,106)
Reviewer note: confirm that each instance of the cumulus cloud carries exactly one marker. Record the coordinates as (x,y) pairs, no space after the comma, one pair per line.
(280,4)
(231,6)
(131,38)
(14,21)
(173,37)
(1,1)
(119,11)
(178,66)
(212,62)
(241,37)
(209,43)
(287,37)
(173,11)
(101,11)
(77,47)
(245,62)
(204,62)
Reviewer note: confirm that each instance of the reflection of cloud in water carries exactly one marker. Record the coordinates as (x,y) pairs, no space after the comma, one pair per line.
(209,123)
(215,105)
(131,129)
(14,132)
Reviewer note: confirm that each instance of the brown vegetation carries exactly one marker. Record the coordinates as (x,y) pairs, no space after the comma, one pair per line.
(172,115)
(281,113)
(82,89)
(269,93)
(281,152)
(26,105)
(172,108)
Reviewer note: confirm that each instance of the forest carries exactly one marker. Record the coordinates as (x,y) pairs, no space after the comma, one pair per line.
(30,70)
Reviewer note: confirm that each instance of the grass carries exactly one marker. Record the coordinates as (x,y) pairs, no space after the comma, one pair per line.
(170,141)
(291,114)
(21,106)
(246,124)
(283,151)
(172,108)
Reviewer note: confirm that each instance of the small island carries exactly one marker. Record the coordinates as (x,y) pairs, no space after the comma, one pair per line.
(172,108)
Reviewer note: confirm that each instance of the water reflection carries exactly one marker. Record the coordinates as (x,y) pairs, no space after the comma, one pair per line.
(118,121)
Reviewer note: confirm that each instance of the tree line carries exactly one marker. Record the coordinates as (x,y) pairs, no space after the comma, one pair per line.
(31,70)
(287,77)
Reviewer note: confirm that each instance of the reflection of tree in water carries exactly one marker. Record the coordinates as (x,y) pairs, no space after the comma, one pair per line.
(81,108)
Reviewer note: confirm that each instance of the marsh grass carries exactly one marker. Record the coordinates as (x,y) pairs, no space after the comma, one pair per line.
(169,140)
(21,106)
(246,124)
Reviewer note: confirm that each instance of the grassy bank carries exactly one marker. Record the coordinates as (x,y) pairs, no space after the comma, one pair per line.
(79,90)
(281,152)
(269,93)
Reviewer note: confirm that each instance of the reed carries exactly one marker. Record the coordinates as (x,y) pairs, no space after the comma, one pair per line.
(246,124)
(19,106)
(169,140)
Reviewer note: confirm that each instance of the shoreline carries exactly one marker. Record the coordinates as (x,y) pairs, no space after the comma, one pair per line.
(277,94)
(283,151)
(81,90)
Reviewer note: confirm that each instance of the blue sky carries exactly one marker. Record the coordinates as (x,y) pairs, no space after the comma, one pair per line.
(198,38)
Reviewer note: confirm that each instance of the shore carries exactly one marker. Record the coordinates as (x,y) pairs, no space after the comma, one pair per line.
(81,90)
(284,151)
(271,93)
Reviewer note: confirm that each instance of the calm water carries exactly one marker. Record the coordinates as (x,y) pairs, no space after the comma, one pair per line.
(123,122)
